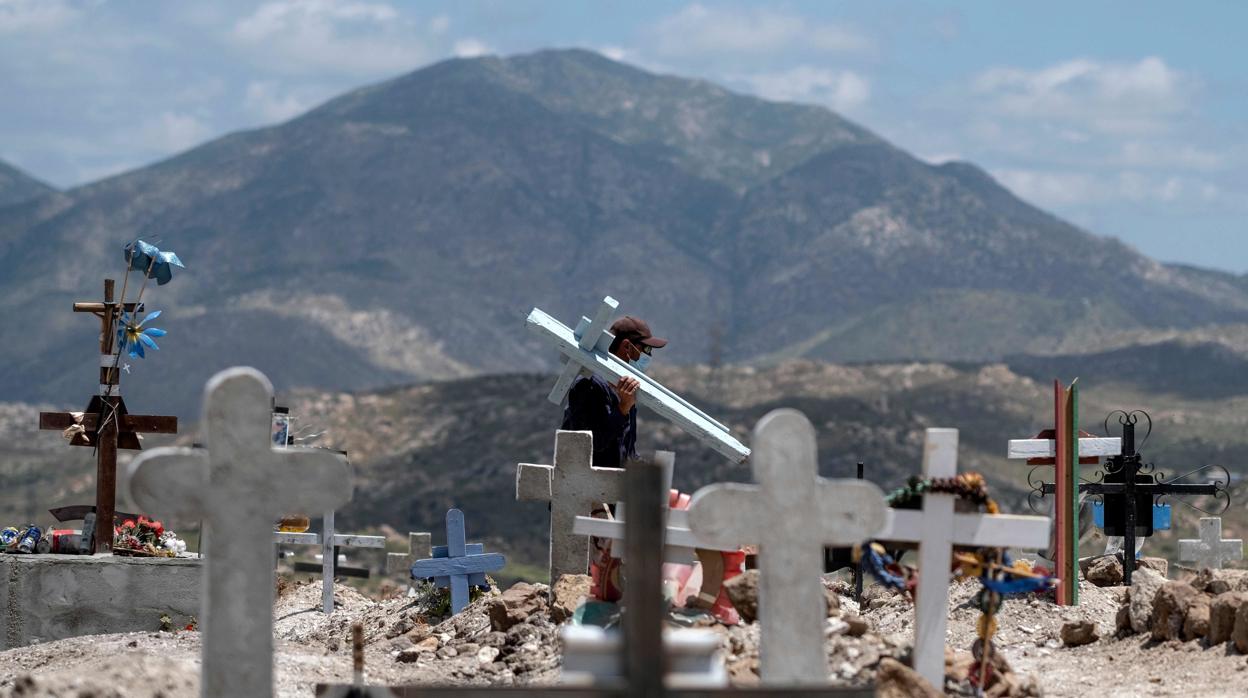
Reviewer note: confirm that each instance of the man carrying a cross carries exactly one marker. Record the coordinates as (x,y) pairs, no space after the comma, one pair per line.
(609,411)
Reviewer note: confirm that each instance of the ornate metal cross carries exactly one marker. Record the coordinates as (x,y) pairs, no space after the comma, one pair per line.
(1129,487)
(106,425)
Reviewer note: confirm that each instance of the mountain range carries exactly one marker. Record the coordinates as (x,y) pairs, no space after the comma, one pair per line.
(401,232)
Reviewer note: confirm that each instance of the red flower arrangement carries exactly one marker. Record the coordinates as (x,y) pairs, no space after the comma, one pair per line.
(145,536)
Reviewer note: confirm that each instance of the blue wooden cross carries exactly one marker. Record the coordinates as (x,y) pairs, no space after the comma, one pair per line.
(457,564)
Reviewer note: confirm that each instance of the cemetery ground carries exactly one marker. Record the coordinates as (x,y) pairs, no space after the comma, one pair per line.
(406,644)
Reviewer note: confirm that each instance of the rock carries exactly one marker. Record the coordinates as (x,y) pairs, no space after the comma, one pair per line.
(447,652)
(1169,605)
(743,593)
(1240,633)
(1078,632)
(1160,565)
(408,655)
(1196,617)
(1222,615)
(831,597)
(1144,586)
(428,644)
(1221,581)
(485,655)
(896,680)
(857,626)
(566,595)
(1104,572)
(1122,621)
(515,605)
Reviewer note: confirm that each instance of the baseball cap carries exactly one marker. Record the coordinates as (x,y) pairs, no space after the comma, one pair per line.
(636,331)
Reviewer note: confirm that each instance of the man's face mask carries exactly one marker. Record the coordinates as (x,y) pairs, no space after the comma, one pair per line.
(641,363)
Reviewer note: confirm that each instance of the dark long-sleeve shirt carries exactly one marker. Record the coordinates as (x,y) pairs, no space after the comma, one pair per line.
(594,406)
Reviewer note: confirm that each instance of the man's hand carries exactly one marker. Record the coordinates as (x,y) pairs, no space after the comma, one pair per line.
(627,390)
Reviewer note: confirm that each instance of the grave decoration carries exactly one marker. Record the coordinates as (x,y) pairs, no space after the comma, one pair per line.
(106,425)
(1130,489)
(585,348)
(238,484)
(145,537)
(331,542)
(642,655)
(458,564)
(928,511)
(791,514)
(1211,549)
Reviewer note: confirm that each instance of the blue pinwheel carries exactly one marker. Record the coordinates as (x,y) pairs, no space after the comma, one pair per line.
(151,261)
(133,336)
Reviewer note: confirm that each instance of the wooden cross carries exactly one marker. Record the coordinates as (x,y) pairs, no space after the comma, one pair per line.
(937,528)
(791,514)
(586,349)
(106,425)
(330,541)
(239,485)
(1211,549)
(461,566)
(1066,448)
(573,486)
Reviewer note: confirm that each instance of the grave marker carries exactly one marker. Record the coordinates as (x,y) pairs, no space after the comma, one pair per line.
(1211,549)
(239,484)
(330,541)
(106,425)
(419,545)
(937,528)
(791,513)
(461,566)
(572,486)
(587,350)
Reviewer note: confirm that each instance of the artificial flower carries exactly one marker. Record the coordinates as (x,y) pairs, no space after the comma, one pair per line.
(133,336)
(154,263)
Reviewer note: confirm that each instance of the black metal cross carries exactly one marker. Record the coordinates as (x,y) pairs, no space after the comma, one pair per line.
(1129,488)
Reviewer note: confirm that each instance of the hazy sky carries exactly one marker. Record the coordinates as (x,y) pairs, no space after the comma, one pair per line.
(1128,118)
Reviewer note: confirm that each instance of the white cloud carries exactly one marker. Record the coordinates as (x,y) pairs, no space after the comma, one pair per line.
(267,101)
(33,16)
(171,132)
(615,53)
(700,30)
(470,48)
(331,36)
(1110,97)
(843,90)
(1158,155)
(1059,188)
(439,24)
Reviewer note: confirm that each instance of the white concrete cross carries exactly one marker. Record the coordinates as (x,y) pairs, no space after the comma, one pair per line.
(329,540)
(936,528)
(572,486)
(586,348)
(238,485)
(1211,549)
(791,514)
(419,547)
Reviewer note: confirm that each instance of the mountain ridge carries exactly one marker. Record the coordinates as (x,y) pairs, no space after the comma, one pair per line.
(401,232)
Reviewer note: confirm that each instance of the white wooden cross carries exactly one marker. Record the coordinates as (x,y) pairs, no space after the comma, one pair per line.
(238,485)
(936,528)
(572,486)
(1211,549)
(791,514)
(679,541)
(329,540)
(586,348)
(1089,446)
